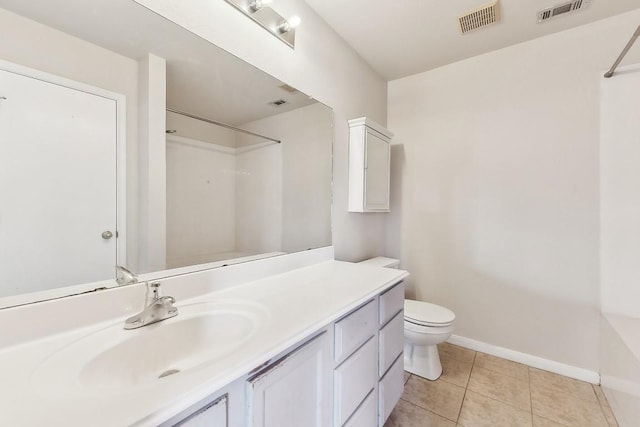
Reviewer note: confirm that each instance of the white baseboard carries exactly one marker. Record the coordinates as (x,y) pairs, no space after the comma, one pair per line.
(527,359)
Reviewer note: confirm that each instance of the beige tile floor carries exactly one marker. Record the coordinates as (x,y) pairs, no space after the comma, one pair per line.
(479,390)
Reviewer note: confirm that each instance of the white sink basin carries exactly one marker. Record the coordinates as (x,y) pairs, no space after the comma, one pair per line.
(114,358)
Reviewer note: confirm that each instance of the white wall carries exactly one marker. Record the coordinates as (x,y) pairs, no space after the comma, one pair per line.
(306,135)
(201,193)
(495,192)
(224,193)
(620,193)
(34,45)
(321,65)
(258,197)
(152,164)
(620,367)
(200,130)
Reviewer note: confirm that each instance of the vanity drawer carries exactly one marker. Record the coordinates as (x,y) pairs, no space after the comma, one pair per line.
(391,342)
(354,329)
(390,389)
(353,380)
(391,302)
(366,414)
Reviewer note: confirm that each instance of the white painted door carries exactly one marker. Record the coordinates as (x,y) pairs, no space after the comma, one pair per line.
(57,185)
(295,391)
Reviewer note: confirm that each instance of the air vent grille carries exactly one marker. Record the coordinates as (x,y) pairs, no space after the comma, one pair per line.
(479,17)
(561,9)
(278,103)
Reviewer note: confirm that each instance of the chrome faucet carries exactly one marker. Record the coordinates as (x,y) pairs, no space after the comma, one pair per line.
(124,276)
(156,308)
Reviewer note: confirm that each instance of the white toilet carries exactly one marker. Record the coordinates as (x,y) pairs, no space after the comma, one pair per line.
(425,326)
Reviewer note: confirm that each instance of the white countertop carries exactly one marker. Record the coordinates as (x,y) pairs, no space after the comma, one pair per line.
(299,303)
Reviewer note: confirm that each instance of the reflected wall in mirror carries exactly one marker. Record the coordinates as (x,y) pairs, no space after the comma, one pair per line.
(202,196)
(234,195)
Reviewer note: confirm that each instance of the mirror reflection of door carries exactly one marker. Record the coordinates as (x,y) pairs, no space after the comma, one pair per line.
(57,185)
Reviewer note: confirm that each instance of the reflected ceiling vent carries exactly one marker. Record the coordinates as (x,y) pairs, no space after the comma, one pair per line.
(562,9)
(288,88)
(278,103)
(479,17)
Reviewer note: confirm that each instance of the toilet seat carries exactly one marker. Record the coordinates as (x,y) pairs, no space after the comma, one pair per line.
(426,314)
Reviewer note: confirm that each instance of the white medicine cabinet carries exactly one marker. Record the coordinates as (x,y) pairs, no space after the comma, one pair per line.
(369,166)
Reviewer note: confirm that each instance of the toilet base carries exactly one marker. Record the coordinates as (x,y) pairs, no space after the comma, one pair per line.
(423,361)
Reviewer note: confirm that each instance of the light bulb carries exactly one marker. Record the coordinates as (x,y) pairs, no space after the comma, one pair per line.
(294,21)
(287,26)
(256,5)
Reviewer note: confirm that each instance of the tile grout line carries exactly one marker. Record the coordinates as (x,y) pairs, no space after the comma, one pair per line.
(498,371)
(602,406)
(530,395)
(427,410)
(466,387)
(560,423)
(496,399)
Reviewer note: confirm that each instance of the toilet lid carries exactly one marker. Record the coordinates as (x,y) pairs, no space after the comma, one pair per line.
(425,313)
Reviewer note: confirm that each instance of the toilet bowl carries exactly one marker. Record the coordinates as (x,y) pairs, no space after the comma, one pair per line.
(425,326)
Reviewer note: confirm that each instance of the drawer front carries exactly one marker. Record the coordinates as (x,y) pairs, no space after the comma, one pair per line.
(390,389)
(391,342)
(354,329)
(391,302)
(353,381)
(366,414)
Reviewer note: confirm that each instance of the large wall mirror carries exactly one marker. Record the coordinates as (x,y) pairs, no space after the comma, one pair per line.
(247,159)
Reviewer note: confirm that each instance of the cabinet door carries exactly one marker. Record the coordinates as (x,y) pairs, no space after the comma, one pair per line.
(376,186)
(212,415)
(293,392)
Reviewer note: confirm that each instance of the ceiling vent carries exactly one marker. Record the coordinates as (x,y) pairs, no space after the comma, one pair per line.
(278,103)
(562,9)
(479,17)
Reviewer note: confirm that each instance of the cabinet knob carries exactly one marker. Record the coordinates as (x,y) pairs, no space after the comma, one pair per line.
(106,235)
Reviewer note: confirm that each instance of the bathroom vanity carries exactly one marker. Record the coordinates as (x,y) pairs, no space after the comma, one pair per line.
(315,346)
(261,338)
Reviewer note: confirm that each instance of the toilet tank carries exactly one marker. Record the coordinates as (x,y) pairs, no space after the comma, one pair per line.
(382,262)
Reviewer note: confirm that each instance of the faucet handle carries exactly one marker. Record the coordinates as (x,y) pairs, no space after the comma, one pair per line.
(154,287)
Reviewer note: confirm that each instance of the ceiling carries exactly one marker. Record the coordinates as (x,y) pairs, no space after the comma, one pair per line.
(403,37)
(202,79)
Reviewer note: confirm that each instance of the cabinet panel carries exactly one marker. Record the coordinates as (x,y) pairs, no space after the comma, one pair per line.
(391,302)
(212,415)
(366,414)
(353,380)
(353,330)
(390,389)
(295,391)
(391,342)
(376,176)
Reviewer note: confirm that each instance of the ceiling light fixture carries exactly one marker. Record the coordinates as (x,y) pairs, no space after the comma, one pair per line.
(261,12)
